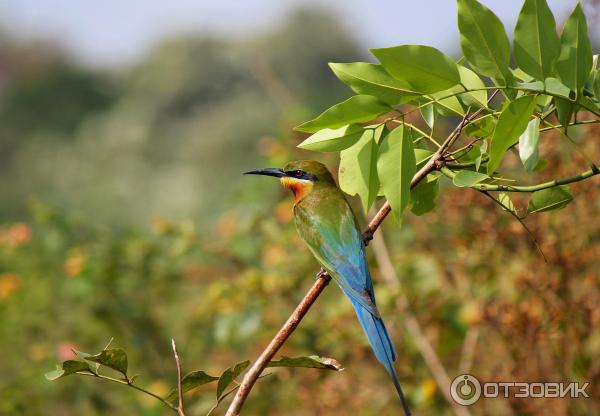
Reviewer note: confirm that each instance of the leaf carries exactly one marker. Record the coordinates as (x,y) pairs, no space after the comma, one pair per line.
(564,111)
(114,358)
(472,81)
(467,178)
(67,368)
(528,145)
(333,140)
(575,61)
(512,122)
(396,166)
(555,87)
(229,375)
(506,203)
(536,43)
(422,196)
(358,168)
(425,69)
(312,361)
(429,115)
(372,79)
(483,127)
(356,109)
(483,40)
(189,382)
(449,106)
(422,156)
(550,199)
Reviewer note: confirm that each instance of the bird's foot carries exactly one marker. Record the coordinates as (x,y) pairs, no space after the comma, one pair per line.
(323,274)
(367,236)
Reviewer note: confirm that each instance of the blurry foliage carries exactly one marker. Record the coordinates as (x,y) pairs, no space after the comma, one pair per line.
(172,140)
(170,136)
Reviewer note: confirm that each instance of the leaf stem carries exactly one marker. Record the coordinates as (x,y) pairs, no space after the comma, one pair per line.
(130,384)
(526,188)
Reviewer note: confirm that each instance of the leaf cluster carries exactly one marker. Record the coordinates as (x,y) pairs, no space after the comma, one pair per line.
(381,133)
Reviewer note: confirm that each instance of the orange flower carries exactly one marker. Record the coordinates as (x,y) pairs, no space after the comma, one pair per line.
(75,262)
(9,283)
(15,235)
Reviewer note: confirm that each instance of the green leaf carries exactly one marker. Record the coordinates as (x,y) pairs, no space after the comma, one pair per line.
(425,69)
(372,79)
(396,166)
(536,43)
(189,382)
(333,140)
(575,60)
(429,114)
(528,145)
(512,122)
(229,375)
(483,40)
(467,178)
(356,109)
(541,165)
(114,358)
(66,368)
(449,106)
(507,203)
(472,81)
(550,199)
(358,168)
(422,196)
(483,127)
(564,111)
(422,156)
(312,361)
(555,87)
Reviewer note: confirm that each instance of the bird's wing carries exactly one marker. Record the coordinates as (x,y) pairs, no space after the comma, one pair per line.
(334,239)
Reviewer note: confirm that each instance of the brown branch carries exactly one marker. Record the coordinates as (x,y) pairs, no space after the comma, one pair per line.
(435,162)
(180,409)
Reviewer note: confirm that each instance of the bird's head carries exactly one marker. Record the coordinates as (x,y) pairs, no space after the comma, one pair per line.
(301,176)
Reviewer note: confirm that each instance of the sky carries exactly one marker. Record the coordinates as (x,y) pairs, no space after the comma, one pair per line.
(119,32)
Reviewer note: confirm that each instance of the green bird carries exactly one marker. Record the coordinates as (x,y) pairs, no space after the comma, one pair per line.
(328,226)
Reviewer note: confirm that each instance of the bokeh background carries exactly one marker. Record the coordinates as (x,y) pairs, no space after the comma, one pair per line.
(124,127)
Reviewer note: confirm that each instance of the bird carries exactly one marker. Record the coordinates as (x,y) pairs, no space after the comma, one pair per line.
(328,226)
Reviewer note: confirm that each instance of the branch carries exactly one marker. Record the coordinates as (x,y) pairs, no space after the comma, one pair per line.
(180,408)
(130,384)
(526,188)
(323,278)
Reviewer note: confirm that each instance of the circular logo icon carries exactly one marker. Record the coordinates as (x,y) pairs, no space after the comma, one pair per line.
(465,389)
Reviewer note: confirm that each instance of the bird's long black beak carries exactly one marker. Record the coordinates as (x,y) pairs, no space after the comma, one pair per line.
(278,173)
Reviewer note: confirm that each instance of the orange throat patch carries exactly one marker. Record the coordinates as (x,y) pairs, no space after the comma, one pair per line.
(299,187)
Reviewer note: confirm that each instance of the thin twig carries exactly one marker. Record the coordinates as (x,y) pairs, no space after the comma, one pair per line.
(468,351)
(180,407)
(130,384)
(514,215)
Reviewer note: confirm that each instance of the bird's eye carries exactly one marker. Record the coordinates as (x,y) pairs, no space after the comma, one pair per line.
(298,173)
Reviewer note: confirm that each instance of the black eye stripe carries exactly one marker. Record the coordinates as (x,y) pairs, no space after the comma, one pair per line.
(300,174)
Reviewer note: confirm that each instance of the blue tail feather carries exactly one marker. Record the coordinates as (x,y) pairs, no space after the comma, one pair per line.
(382,345)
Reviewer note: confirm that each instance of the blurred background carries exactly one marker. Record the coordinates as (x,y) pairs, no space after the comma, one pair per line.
(124,127)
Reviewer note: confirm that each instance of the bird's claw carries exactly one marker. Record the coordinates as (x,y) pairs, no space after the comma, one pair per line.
(367,237)
(323,274)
